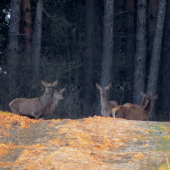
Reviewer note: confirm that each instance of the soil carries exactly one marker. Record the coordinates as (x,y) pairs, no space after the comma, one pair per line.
(85,144)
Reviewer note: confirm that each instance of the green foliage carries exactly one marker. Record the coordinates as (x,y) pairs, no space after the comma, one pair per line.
(59,25)
(165,144)
(161,128)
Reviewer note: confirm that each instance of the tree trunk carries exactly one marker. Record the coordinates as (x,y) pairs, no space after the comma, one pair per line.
(26,31)
(107,53)
(129,49)
(165,74)
(117,40)
(13,48)
(37,34)
(140,58)
(107,43)
(88,56)
(156,51)
(152,13)
(26,24)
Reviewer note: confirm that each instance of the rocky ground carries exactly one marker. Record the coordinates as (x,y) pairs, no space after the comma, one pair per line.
(85,144)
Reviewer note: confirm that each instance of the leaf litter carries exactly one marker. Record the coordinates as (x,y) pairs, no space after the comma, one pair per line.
(89,143)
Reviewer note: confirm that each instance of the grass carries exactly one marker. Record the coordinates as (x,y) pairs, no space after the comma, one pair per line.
(164,144)
(164,166)
(163,133)
(6,112)
(163,128)
(165,141)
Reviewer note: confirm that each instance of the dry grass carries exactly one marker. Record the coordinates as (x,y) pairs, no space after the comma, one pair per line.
(89,143)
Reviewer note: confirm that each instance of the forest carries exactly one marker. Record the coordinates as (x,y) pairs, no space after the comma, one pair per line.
(81,43)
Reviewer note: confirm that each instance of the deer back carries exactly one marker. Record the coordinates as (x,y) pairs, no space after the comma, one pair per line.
(135,112)
(129,113)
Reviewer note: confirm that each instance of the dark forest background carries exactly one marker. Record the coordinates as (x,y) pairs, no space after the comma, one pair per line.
(83,42)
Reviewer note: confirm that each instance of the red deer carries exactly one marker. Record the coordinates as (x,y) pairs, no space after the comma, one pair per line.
(52,105)
(107,106)
(143,103)
(135,112)
(33,107)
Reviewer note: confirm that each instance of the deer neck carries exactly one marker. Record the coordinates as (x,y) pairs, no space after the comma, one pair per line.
(104,101)
(149,107)
(53,103)
(45,98)
(144,102)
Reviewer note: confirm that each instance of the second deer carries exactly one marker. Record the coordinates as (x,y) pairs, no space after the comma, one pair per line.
(134,111)
(143,104)
(48,111)
(107,105)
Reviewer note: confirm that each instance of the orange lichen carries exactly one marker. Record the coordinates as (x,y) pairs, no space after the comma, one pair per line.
(89,143)
(5,149)
(12,121)
(139,155)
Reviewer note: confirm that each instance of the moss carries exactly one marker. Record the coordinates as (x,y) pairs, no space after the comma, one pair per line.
(6,112)
(164,144)
(164,166)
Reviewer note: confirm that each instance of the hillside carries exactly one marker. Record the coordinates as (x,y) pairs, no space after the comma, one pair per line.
(84,144)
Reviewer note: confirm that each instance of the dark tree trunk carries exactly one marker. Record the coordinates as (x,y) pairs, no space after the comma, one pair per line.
(107,43)
(107,46)
(88,57)
(13,48)
(98,27)
(37,34)
(165,74)
(152,13)
(140,58)
(156,51)
(129,49)
(26,31)
(26,23)
(117,40)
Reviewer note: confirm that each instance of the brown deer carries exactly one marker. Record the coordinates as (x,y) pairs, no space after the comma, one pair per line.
(143,103)
(52,105)
(33,107)
(107,106)
(135,112)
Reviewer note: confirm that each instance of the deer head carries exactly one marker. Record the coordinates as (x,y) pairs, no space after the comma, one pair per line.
(49,86)
(103,89)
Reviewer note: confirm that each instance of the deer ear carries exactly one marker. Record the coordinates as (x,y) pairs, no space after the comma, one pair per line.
(97,86)
(43,83)
(55,83)
(151,93)
(108,87)
(62,90)
(155,97)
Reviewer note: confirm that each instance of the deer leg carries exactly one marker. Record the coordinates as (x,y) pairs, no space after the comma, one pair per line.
(113,114)
(146,105)
(46,117)
(37,116)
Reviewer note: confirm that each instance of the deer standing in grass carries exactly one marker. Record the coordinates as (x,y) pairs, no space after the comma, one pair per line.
(135,112)
(33,107)
(107,106)
(52,105)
